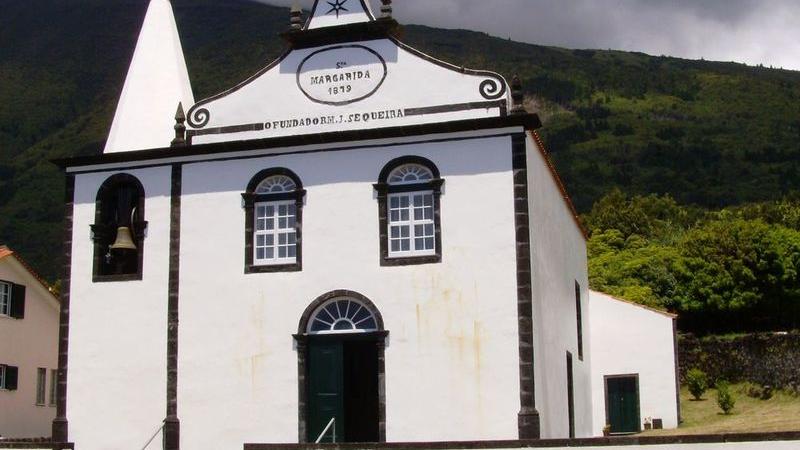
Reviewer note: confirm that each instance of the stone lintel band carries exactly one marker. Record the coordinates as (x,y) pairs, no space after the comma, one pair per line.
(171,423)
(528,417)
(60,424)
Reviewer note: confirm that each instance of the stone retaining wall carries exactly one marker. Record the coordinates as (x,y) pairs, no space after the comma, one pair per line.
(766,359)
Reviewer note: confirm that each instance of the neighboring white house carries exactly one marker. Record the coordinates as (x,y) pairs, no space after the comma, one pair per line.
(359,236)
(634,372)
(28,350)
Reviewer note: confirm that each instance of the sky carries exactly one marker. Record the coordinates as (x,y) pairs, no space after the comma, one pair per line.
(750,31)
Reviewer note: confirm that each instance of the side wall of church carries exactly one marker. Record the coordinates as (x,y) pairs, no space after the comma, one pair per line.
(452,352)
(558,260)
(118,330)
(634,341)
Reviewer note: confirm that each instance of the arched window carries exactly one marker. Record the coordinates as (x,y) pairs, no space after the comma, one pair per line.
(342,315)
(273,216)
(119,229)
(409,191)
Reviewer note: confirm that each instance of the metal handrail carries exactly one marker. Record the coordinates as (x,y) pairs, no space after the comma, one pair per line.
(154,435)
(325,431)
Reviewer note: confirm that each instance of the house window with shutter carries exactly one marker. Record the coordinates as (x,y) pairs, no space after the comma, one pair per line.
(409,191)
(273,203)
(119,229)
(8,377)
(12,300)
(5,298)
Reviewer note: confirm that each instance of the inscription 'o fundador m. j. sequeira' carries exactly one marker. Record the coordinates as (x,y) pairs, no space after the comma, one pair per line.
(341,75)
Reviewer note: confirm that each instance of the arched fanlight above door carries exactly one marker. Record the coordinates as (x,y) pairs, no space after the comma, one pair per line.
(342,315)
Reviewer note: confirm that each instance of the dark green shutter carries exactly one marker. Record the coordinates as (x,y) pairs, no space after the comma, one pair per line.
(11,378)
(18,301)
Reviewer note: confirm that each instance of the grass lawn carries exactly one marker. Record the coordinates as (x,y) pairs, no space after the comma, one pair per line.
(780,413)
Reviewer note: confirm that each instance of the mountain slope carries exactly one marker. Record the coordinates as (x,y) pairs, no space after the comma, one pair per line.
(710,134)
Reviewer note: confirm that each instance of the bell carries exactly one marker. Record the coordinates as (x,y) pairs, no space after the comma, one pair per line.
(124,240)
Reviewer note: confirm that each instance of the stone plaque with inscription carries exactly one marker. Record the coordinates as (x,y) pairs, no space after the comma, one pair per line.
(341,75)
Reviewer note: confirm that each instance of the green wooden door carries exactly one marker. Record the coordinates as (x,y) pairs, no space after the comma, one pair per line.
(623,404)
(325,390)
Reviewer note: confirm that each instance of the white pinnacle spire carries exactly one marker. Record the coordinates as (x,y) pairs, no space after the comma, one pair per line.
(157,80)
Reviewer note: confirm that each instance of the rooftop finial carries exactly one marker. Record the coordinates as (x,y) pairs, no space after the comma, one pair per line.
(296,16)
(517,96)
(386,9)
(180,128)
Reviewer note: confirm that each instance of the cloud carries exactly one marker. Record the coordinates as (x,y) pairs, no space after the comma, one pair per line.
(749,31)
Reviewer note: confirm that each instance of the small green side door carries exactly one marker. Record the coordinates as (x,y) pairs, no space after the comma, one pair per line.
(623,404)
(325,390)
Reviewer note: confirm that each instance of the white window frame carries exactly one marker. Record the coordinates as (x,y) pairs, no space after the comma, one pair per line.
(275,233)
(5,298)
(41,386)
(2,377)
(412,223)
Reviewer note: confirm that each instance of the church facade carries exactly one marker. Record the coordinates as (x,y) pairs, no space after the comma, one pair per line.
(360,243)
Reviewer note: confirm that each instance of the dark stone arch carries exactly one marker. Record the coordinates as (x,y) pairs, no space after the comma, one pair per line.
(322,299)
(402,161)
(271,172)
(105,225)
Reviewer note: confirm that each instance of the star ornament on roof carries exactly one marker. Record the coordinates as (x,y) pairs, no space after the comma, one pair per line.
(337,6)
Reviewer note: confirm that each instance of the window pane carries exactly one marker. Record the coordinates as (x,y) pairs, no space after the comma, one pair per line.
(419,244)
(394,202)
(292,238)
(260,254)
(395,246)
(406,245)
(270,210)
(429,230)
(269,224)
(281,252)
(283,222)
(261,211)
(41,377)
(270,253)
(282,239)
(404,202)
(260,240)
(293,251)
(429,245)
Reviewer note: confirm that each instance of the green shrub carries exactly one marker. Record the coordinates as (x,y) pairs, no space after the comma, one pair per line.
(697,381)
(725,398)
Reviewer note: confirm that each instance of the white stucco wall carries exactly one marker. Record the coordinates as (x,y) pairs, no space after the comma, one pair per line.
(28,344)
(452,355)
(628,339)
(116,395)
(558,259)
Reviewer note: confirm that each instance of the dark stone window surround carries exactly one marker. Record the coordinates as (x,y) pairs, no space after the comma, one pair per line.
(251,198)
(302,338)
(139,229)
(384,189)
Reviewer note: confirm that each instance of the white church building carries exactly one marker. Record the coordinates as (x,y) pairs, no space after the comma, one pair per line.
(359,243)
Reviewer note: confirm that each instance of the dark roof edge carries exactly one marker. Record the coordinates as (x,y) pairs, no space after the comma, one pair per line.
(528,121)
